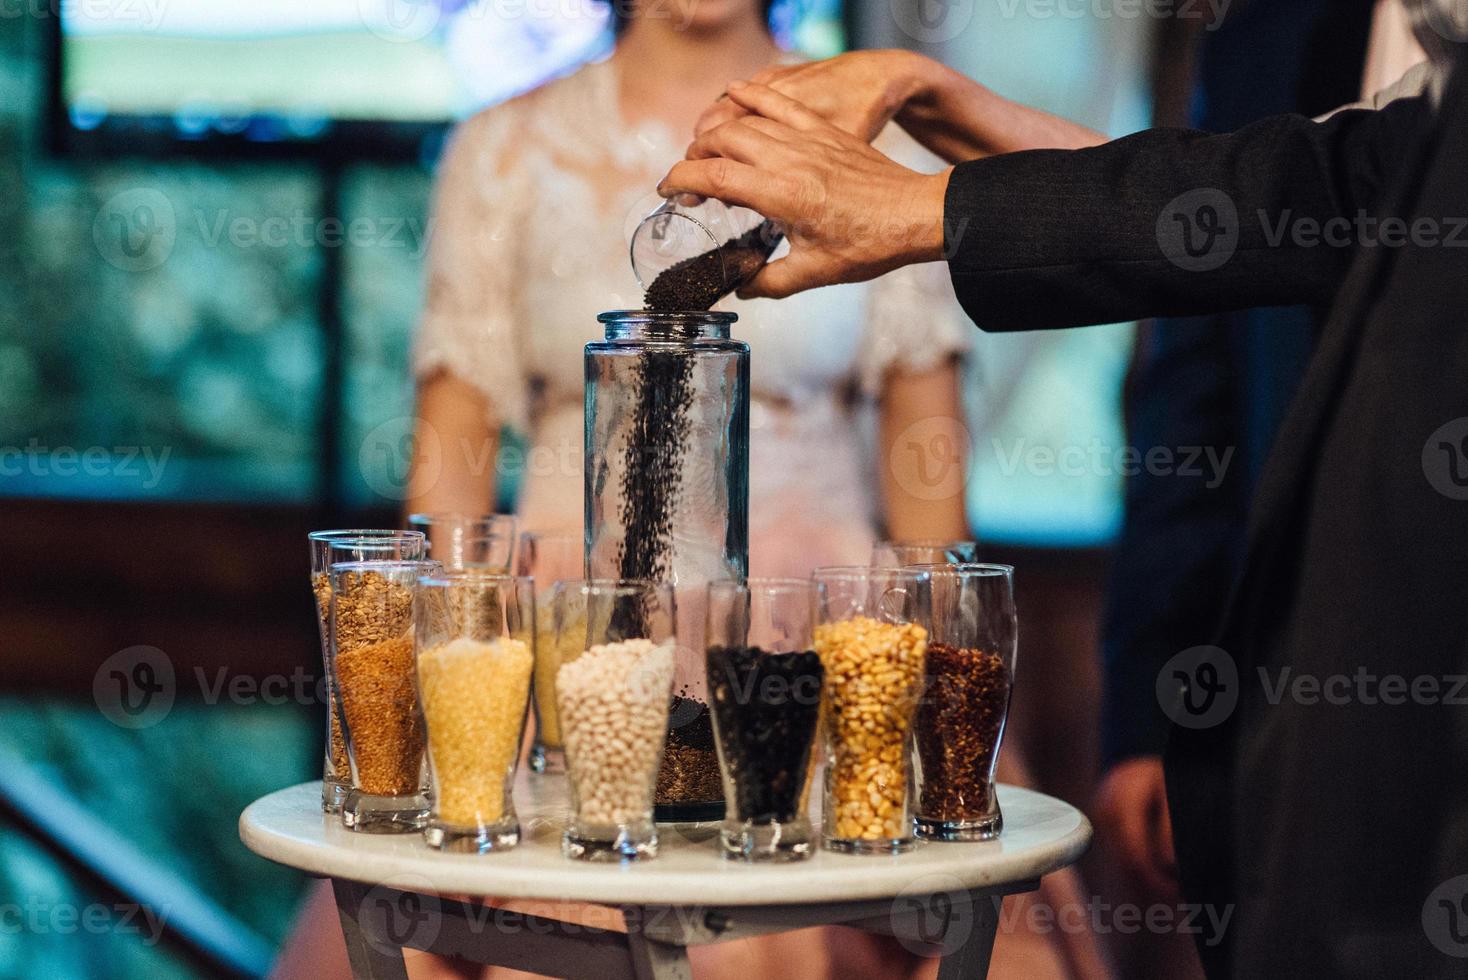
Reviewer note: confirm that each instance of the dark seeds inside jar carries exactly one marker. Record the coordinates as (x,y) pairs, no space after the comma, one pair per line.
(958,727)
(690,767)
(766,706)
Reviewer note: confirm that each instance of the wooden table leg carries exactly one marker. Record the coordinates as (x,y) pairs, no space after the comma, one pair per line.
(969,958)
(370,958)
(651,959)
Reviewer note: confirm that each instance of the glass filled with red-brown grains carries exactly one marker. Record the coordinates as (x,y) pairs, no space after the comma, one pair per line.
(347,544)
(372,672)
(968,678)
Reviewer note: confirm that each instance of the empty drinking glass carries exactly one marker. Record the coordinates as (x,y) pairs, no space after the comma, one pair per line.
(969,676)
(355,544)
(612,699)
(871,640)
(923,551)
(764,682)
(475,637)
(485,542)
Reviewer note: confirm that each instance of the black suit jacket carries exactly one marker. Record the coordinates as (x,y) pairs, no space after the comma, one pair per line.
(1334,826)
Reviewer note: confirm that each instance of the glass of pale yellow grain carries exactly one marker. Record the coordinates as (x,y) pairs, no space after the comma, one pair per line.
(474,650)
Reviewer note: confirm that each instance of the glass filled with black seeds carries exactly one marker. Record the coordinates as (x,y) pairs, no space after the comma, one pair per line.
(666,493)
(764,684)
(968,679)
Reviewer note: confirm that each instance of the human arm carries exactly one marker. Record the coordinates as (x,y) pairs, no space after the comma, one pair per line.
(455,445)
(923,463)
(466,352)
(949,113)
(1051,238)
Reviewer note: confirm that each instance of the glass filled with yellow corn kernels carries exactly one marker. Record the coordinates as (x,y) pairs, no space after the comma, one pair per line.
(871,636)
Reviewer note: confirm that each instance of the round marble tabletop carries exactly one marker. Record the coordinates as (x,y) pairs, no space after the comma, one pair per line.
(1041,834)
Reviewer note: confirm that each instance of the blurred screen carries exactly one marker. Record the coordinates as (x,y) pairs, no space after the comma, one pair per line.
(279,70)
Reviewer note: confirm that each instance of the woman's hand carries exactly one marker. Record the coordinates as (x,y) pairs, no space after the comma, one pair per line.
(859,92)
(950,114)
(849,212)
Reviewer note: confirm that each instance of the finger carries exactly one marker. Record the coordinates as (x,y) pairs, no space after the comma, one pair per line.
(1154,842)
(739,141)
(1165,858)
(727,180)
(783,277)
(723,111)
(767,102)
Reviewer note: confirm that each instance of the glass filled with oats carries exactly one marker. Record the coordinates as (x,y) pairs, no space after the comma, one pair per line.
(352,544)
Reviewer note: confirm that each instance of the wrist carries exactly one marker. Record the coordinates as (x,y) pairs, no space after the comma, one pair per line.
(910,77)
(925,203)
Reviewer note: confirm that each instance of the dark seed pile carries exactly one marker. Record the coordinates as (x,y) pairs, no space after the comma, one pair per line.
(690,768)
(700,282)
(766,706)
(959,723)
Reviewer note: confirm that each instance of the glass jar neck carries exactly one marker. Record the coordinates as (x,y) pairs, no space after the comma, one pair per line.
(660,325)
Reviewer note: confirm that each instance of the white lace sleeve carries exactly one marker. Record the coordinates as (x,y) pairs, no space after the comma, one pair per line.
(469,321)
(913,320)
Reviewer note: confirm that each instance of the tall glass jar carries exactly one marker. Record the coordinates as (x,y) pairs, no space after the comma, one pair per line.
(667,500)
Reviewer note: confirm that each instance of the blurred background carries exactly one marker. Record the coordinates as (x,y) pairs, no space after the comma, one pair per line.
(213,216)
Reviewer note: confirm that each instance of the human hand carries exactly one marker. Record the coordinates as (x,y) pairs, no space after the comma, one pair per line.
(1132,805)
(849,212)
(859,92)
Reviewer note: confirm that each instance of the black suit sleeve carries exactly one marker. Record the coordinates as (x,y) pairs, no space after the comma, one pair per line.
(1062,238)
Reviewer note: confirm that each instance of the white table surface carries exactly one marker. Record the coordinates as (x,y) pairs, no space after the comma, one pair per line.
(1041,834)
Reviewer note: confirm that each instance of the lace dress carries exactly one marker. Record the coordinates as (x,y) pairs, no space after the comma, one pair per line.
(533,208)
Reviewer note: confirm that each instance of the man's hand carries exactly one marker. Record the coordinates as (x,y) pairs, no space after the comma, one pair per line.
(849,212)
(1132,805)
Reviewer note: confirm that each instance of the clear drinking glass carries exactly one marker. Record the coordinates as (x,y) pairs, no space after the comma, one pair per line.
(480,541)
(372,670)
(923,551)
(871,637)
(548,558)
(667,500)
(969,674)
(356,544)
(475,640)
(733,242)
(612,699)
(764,680)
